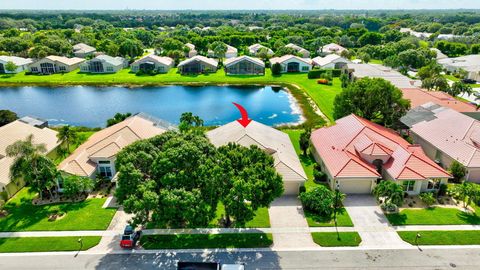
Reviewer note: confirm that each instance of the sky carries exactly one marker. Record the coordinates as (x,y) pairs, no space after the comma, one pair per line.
(237,4)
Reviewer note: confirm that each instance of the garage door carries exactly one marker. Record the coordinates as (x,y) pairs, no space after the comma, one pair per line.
(355,186)
(291,188)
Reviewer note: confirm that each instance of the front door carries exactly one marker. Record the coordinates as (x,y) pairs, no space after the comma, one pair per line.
(293,67)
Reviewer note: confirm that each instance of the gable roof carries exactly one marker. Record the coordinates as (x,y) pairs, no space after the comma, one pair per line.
(322,61)
(115,61)
(232,61)
(83,48)
(200,58)
(453,133)
(107,142)
(386,73)
(333,48)
(287,57)
(343,147)
(167,61)
(273,141)
(20,130)
(296,47)
(65,60)
(419,97)
(19,61)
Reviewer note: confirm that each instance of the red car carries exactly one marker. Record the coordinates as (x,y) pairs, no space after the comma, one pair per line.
(130,240)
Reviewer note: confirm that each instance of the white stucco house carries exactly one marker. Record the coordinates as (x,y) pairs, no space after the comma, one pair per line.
(253,49)
(302,51)
(21,63)
(152,62)
(83,50)
(292,63)
(104,64)
(331,61)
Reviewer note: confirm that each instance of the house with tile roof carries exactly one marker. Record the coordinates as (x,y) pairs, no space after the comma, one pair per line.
(302,51)
(20,130)
(292,63)
(21,63)
(469,63)
(331,48)
(419,97)
(358,71)
(152,62)
(83,50)
(104,64)
(356,154)
(330,61)
(231,52)
(273,141)
(253,49)
(55,64)
(198,64)
(97,154)
(191,50)
(244,65)
(446,135)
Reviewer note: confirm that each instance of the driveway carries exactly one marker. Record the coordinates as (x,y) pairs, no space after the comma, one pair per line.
(371,223)
(286,214)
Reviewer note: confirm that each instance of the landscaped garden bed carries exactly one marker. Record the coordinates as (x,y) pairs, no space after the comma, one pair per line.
(194,241)
(441,237)
(84,215)
(332,239)
(47,244)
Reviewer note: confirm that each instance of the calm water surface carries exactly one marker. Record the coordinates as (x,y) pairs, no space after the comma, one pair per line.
(92,106)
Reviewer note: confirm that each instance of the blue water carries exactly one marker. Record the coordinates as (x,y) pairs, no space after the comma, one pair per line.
(92,106)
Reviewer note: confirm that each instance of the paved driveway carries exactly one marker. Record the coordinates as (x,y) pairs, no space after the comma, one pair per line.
(286,214)
(371,223)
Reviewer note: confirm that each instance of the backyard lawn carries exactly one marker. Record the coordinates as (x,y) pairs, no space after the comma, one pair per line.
(24,216)
(330,239)
(323,95)
(82,137)
(442,237)
(433,216)
(192,241)
(47,244)
(308,162)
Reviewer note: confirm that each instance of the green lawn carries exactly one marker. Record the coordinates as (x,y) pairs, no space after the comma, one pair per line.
(193,241)
(308,162)
(24,216)
(46,244)
(343,220)
(451,78)
(330,239)
(433,216)
(323,95)
(261,219)
(82,137)
(442,237)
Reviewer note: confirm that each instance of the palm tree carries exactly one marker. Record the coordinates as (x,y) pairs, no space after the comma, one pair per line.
(32,165)
(66,135)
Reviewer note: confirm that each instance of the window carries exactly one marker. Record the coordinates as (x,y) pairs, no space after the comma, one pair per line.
(34,69)
(305,68)
(408,185)
(105,171)
(110,69)
(104,162)
(433,184)
(62,68)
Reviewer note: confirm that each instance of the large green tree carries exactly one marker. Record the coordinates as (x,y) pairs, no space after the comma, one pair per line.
(374,99)
(7,117)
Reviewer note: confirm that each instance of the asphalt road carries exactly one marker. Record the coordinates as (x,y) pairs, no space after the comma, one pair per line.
(347,259)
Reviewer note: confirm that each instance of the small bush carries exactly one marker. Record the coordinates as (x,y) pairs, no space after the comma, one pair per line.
(319,201)
(276,69)
(319,176)
(336,73)
(427,198)
(442,191)
(315,74)
(302,189)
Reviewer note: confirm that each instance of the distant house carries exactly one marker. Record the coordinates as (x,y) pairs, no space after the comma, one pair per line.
(198,64)
(231,52)
(419,97)
(104,64)
(332,48)
(20,130)
(21,63)
(244,65)
(55,64)
(440,54)
(98,154)
(469,63)
(446,135)
(333,61)
(253,49)
(303,52)
(152,62)
(272,141)
(358,71)
(355,154)
(83,50)
(292,63)
(192,51)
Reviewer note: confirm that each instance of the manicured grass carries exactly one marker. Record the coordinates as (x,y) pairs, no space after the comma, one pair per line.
(82,137)
(192,241)
(24,216)
(323,95)
(330,239)
(261,219)
(433,216)
(451,78)
(442,237)
(46,244)
(343,219)
(308,162)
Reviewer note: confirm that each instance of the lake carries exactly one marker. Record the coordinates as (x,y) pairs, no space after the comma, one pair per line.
(92,106)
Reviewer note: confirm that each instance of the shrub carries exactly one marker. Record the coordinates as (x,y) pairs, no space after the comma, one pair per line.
(319,176)
(458,171)
(302,189)
(336,73)
(320,201)
(322,81)
(442,190)
(391,191)
(75,185)
(276,69)
(315,74)
(427,198)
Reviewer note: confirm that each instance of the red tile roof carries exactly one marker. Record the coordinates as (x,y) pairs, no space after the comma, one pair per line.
(343,147)
(419,97)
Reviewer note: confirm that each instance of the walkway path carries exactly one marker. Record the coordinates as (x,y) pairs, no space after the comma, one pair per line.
(371,223)
(110,242)
(290,228)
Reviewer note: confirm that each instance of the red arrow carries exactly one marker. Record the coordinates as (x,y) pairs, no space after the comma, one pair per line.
(244,121)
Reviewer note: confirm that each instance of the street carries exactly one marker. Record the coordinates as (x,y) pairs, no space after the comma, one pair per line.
(458,258)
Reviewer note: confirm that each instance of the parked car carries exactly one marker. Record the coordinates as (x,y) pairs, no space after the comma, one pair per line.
(469,81)
(128,230)
(130,238)
(208,266)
